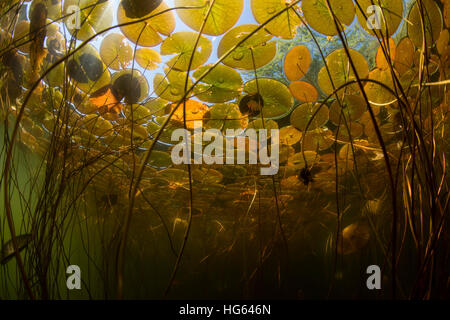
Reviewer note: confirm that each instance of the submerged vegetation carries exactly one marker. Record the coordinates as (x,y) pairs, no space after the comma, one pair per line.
(92,90)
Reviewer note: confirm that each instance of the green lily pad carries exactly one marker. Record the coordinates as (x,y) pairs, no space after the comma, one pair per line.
(171,86)
(241,57)
(137,113)
(160,159)
(222,84)
(157,106)
(353,107)
(277,98)
(303,113)
(224,116)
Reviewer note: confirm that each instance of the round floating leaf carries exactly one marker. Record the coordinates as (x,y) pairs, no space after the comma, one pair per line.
(148,32)
(319,18)
(297,161)
(284,25)
(388,51)
(303,91)
(225,116)
(404,57)
(139,8)
(297,62)
(87,70)
(276,96)
(442,42)
(353,107)
(129,84)
(290,135)
(137,114)
(258,125)
(97,125)
(116,51)
(220,85)
(433,23)
(349,132)
(171,86)
(105,101)
(95,16)
(390,18)
(182,45)
(318,140)
(241,57)
(303,114)
(376,93)
(157,106)
(148,58)
(195,111)
(341,71)
(160,159)
(223,15)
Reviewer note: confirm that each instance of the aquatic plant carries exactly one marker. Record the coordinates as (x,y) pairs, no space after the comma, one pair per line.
(92,90)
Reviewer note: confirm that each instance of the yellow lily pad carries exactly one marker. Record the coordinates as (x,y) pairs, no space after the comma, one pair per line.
(223,16)
(182,45)
(284,25)
(257,45)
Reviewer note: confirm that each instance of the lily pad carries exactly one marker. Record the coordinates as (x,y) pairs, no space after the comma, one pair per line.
(150,32)
(341,71)
(391,16)
(353,107)
(129,84)
(290,135)
(137,113)
(223,16)
(94,16)
(297,62)
(171,86)
(160,159)
(116,51)
(284,25)
(182,45)
(220,85)
(87,70)
(148,58)
(276,96)
(404,57)
(225,116)
(303,114)
(376,93)
(304,91)
(257,47)
(433,23)
(319,18)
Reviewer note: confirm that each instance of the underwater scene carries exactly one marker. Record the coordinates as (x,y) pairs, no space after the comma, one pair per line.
(224,149)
